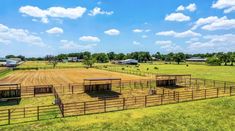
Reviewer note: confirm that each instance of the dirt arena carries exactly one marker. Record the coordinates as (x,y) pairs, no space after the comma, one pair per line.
(62,76)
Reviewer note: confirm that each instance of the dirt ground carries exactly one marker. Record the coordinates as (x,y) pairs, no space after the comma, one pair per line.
(62,76)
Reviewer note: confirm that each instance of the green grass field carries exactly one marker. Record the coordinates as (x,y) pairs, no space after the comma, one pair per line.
(225,73)
(212,114)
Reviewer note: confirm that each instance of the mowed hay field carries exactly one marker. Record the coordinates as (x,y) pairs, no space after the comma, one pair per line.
(61,76)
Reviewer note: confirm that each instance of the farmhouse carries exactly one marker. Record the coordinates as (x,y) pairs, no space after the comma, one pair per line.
(196,59)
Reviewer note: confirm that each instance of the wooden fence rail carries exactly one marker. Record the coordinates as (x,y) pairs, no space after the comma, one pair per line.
(19,115)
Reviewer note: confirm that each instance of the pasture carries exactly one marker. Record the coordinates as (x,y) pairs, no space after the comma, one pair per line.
(211,114)
(132,92)
(225,73)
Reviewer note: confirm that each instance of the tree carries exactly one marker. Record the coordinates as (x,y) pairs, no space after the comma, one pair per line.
(52,60)
(223,57)
(89,61)
(214,60)
(231,56)
(62,56)
(111,55)
(179,57)
(169,57)
(120,56)
(101,57)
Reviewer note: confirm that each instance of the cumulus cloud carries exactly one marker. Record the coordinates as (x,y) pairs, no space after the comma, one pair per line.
(214,23)
(89,39)
(227,5)
(191,7)
(214,43)
(112,32)
(99,11)
(180,8)
(179,17)
(136,43)
(140,30)
(184,34)
(55,30)
(168,46)
(10,35)
(137,30)
(57,12)
(71,45)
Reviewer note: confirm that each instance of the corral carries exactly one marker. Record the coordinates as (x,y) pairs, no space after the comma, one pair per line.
(86,91)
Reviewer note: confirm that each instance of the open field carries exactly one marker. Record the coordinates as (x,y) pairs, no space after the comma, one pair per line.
(225,73)
(61,76)
(212,114)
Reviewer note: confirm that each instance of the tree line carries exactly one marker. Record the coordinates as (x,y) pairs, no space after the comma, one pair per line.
(219,58)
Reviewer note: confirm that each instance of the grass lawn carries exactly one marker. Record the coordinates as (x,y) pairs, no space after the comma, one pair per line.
(212,114)
(28,102)
(225,73)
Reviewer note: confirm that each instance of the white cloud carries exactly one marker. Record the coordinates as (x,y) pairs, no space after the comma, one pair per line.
(10,35)
(137,30)
(112,32)
(180,8)
(136,43)
(214,23)
(227,5)
(214,43)
(55,30)
(220,25)
(71,45)
(89,39)
(187,33)
(180,17)
(191,7)
(58,12)
(168,46)
(140,30)
(203,21)
(99,11)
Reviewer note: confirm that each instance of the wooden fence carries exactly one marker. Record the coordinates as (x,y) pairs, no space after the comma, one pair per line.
(25,114)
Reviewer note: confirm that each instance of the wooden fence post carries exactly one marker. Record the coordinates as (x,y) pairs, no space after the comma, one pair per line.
(84,110)
(230,91)
(192,95)
(104,105)
(217,92)
(123,104)
(161,99)
(62,109)
(145,101)
(9,116)
(205,93)
(225,87)
(24,112)
(37,112)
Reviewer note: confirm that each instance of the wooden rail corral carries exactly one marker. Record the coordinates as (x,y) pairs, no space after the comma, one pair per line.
(10,91)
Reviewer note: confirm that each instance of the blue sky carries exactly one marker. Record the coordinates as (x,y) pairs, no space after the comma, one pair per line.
(37,28)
